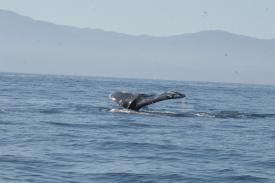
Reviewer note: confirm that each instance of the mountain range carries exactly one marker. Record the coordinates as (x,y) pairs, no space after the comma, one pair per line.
(33,46)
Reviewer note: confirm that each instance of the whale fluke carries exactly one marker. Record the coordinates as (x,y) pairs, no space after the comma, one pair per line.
(136,101)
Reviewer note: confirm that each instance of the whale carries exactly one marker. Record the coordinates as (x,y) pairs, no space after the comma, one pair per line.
(135,101)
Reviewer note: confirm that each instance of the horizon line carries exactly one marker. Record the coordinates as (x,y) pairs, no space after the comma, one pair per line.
(131,78)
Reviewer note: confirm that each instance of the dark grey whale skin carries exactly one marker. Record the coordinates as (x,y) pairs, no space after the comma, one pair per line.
(137,101)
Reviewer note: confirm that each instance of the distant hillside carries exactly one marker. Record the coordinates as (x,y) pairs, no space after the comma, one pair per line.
(32,46)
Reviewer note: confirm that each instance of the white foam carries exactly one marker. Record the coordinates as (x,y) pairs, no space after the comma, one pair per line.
(204,114)
(122,111)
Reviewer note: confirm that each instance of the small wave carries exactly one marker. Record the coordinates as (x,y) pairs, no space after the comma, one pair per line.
(76,109)
(162,112)
(147,112)
(141,177)
(240,115)
(70,125)
(84,108)
(247,178)
(136,146)
(194,114)
(51,111)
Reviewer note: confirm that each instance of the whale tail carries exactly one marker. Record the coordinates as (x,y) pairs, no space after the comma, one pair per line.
(137,101)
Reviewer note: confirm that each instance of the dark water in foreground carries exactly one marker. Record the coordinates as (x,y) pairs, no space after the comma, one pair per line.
(65,129)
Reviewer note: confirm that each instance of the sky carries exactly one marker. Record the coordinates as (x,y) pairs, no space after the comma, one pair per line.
(155,17)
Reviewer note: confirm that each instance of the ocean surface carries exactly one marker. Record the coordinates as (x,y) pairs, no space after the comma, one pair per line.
(65,129)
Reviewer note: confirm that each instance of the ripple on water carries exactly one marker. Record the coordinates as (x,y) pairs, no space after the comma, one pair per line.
(194,114)
(64,129)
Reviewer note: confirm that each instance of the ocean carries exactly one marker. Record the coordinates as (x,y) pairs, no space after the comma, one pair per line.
(65,129)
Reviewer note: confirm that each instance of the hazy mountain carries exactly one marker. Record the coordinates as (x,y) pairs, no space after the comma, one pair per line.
(32,46)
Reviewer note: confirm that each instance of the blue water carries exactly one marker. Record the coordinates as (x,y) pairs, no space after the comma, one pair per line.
(65,129)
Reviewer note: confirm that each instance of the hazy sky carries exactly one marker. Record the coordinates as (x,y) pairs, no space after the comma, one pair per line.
(155,17)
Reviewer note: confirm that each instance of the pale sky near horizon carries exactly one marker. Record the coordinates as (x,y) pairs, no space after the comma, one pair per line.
(155,17)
